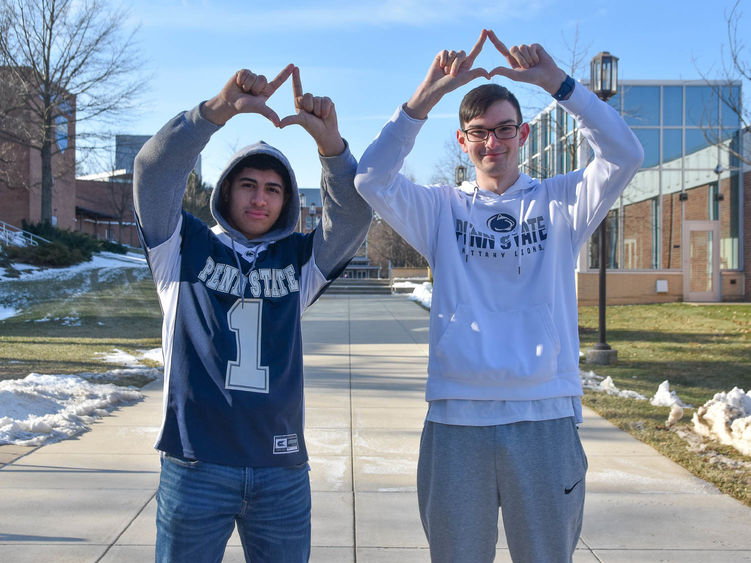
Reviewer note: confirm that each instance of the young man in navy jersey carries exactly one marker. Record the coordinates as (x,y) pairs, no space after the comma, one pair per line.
(232,295)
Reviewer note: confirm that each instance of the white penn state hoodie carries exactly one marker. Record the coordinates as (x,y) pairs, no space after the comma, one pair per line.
(503,320)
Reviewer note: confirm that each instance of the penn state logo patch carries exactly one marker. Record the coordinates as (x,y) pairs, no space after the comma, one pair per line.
(502,223)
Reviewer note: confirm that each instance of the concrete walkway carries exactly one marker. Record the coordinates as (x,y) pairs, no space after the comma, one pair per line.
(92,498)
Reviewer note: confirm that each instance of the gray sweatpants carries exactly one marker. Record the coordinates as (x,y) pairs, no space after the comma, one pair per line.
(533,470)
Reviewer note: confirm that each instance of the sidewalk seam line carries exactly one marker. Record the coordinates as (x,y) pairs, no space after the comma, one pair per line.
(351,431)
(106,551)
(589,548)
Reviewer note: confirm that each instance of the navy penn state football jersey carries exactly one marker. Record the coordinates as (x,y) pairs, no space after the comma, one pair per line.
(233,346)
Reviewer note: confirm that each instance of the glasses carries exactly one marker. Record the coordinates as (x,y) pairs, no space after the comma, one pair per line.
(502,132)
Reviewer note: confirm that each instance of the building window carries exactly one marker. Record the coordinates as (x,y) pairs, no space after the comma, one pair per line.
(696,140)
(679,126)
(701,106)
(729,222)
(731,106)
(713,210)
(611,243)
(637,220)
(650,140)
(672,148)
(655,232)
(672,105)
(641,105)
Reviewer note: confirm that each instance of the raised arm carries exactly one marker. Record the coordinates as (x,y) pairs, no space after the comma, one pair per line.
(162,166)
(346,216)
(410,209)
(449,71)
(591,191)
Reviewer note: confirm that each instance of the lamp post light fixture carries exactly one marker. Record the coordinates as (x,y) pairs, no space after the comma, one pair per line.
(460,174)
(603,71)
(604,83)
(718,170)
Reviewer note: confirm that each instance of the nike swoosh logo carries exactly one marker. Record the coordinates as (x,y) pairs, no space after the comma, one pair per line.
(571,488)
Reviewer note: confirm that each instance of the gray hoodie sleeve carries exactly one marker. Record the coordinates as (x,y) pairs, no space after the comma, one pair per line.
(161,170)
(346,216)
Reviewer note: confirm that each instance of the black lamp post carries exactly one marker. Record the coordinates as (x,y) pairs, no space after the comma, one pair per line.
(604,83)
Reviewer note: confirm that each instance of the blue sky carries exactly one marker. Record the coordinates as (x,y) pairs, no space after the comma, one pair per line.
(369,56)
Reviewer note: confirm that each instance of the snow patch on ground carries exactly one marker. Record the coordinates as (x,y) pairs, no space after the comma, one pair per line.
(101,260)
(726,418)
(122,358)
(664,397)
(40,409)
(423,294)
(7,312)
(590,380)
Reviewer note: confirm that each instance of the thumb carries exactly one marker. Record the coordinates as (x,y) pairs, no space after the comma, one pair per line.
(503,71)
(479,72)
(290,120)
(269,114)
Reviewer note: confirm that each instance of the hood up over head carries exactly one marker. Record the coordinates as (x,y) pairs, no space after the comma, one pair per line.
(288,218)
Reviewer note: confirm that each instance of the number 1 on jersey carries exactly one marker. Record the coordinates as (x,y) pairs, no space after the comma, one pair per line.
(245,372)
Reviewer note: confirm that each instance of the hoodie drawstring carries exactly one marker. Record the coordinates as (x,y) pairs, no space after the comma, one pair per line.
(240,269)
(471,208)
(519,234)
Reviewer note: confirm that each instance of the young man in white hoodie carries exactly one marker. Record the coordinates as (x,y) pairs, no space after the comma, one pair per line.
(503,376)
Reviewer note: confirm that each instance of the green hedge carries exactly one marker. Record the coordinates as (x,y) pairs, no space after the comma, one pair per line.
(66,248)
(53,254)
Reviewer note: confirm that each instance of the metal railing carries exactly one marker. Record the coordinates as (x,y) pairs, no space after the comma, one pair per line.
(18,237)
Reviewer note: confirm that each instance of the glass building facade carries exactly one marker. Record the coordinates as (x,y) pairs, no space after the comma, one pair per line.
(690,132)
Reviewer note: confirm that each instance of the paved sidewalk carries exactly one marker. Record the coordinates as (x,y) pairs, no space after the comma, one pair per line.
(92,498)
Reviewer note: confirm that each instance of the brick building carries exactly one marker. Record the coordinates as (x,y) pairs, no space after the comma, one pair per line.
(21,171)
(104,207)
(681,229)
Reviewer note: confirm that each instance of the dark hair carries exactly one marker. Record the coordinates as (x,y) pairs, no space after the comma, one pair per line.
(478,100)
(259,162)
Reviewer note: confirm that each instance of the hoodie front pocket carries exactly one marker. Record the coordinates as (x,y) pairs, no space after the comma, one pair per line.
(516,347)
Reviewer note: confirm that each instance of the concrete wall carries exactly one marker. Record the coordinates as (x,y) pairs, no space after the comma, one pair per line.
(409,273)
(626,288)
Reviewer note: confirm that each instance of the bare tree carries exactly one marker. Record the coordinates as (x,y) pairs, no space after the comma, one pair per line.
(385,245)
(569,141)
(62,61)
(196,200)
(734,68)
(120,196)
(453,156)
(577,55)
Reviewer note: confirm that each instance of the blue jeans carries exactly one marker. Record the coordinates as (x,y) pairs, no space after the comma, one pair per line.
(198,504)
